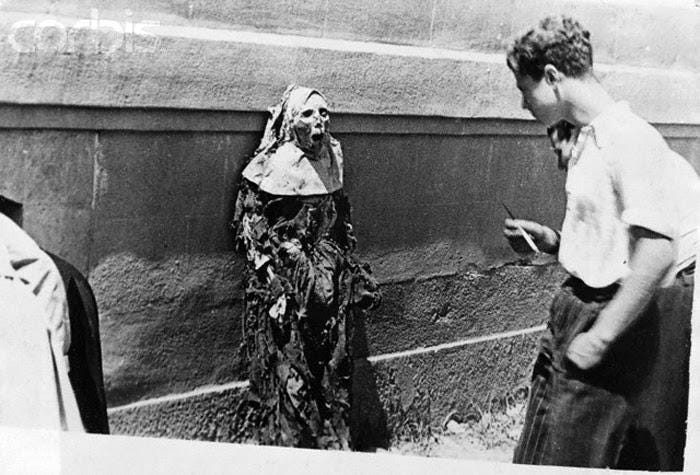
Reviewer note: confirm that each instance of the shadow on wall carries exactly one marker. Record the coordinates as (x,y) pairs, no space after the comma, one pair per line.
(368,426)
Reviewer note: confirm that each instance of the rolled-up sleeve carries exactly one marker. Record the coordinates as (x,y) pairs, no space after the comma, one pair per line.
(642,181)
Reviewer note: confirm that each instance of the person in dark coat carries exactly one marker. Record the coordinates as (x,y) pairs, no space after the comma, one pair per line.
(85,352)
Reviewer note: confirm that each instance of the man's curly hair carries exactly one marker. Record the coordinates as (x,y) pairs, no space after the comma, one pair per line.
(559,41)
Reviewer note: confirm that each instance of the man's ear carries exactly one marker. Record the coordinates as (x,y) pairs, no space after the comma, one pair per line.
(552,75)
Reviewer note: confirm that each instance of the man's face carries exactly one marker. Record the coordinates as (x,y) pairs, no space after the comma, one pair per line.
(538,97)
(312,123)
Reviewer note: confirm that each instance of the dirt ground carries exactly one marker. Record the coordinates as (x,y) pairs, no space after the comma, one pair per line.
(488,436)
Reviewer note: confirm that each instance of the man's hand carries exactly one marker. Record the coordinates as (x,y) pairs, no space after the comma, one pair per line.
(650,260)
(545,238)
(586,350)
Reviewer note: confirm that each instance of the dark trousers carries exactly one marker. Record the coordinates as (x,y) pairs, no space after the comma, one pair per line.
(628,412)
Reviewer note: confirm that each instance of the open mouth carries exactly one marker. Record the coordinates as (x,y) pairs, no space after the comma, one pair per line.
(316,136)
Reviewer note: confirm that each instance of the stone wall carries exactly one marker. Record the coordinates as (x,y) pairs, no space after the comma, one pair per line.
(126,162)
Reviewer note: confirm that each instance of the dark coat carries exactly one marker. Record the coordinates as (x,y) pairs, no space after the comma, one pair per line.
(85,352)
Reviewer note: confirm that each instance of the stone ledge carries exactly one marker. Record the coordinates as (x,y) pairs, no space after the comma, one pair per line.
(631,32)
(165,119)
(358,77)
(390,396)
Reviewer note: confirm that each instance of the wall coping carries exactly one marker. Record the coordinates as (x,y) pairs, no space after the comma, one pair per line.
(202,68)
(166,119)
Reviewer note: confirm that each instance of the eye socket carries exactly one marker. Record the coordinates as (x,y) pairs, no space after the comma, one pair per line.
(306,113)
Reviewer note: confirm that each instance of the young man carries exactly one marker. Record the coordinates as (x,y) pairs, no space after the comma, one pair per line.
(609,387)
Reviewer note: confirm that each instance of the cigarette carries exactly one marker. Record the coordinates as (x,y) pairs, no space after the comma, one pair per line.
(528,239)
(525,234)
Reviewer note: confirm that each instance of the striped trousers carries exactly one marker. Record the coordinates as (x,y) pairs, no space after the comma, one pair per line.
(628,412)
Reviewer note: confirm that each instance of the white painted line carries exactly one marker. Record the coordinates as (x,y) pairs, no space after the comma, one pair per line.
(203,391)
(297,41)
(369,47)
(456,344)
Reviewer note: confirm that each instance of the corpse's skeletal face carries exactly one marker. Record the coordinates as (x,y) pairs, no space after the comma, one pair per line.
(562,136)
(311,123)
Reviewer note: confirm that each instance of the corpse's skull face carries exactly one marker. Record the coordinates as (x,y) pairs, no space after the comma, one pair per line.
(562,136)
(311,123)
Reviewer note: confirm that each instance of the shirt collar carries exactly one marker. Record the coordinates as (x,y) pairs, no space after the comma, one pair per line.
(600,126)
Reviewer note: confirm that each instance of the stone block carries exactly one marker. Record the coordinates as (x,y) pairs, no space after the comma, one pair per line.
(161,194)
(525,177)
(176,174)
(62,230)
(443,309)
(286,16)
(168,326)
(181,69)
(428,187)
(153,237)
(473,25)
(392,21)
(661,37)
(48,167)
(210,234)
(208,417)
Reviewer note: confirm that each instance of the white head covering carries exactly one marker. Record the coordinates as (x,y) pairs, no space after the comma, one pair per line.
(280,167)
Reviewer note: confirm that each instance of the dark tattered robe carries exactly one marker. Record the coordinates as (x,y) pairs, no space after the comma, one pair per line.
(303,288)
